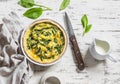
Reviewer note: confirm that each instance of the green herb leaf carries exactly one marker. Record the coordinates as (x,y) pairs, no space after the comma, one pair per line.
(26,3)
(87,29)
(84,21)
(86,26)
(64,4)
(33,13)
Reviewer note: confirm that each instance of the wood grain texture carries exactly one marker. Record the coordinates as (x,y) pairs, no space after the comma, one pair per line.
(105,17)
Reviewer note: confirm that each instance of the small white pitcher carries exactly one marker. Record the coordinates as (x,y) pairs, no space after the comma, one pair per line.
(101,49)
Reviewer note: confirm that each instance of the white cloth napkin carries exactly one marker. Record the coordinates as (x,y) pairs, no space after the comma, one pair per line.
(14,67)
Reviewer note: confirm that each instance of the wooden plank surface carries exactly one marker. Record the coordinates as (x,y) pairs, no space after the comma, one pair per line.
(105,17)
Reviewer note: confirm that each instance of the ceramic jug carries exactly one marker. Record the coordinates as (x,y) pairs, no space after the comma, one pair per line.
(101,49)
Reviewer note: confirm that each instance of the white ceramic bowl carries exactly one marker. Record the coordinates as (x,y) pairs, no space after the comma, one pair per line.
(50,78)
(31,25)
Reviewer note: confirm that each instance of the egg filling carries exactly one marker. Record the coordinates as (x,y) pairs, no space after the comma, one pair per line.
(44,42)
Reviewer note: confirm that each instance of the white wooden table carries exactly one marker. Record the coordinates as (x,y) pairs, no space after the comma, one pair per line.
(105,17)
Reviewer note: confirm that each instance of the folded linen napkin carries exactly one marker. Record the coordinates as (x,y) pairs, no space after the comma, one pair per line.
(14,67)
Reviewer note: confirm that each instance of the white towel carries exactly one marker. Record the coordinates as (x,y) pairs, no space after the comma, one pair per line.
(14,67)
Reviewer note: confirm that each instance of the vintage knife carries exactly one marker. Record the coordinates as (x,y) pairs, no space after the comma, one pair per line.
(74,43)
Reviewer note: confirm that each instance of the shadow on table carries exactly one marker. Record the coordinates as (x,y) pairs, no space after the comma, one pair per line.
(90,61)
(40,68)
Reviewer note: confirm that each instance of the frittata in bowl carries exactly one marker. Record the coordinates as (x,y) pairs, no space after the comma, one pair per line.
(44,42)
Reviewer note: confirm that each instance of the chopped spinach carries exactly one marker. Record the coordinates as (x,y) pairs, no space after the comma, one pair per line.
(39,44)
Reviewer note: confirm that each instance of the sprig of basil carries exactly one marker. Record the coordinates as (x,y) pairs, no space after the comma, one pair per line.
(33,13)
(84,21)
(87,27)
(64,4)
(26,3)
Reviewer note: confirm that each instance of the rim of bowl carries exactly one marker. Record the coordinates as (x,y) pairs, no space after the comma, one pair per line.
(39,21)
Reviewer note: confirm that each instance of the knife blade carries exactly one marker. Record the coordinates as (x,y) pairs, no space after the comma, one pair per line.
(74,43)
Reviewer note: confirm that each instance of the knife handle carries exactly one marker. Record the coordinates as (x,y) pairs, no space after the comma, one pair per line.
(77,53)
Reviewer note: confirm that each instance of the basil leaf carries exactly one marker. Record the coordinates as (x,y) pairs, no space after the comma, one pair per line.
(84,21)
(33,13)
(26,3)
(64,4)
(88,27)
